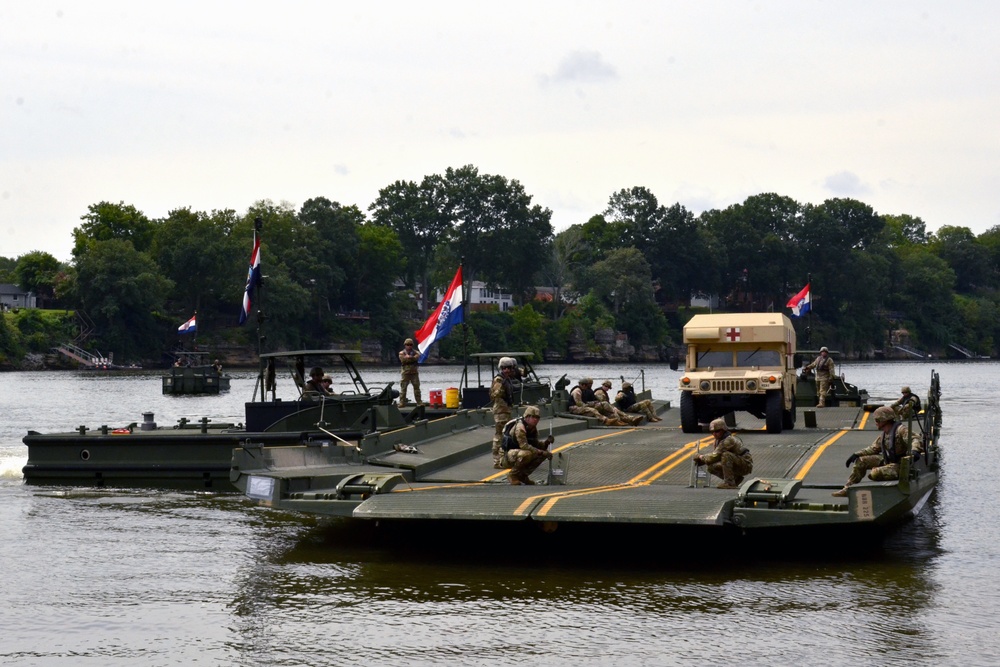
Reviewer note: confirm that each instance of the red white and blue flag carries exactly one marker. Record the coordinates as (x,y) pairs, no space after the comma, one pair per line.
(448,313)
(801,303)
(253,278)
(188,327)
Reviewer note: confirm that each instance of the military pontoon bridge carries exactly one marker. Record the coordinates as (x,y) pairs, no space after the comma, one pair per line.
(600,475)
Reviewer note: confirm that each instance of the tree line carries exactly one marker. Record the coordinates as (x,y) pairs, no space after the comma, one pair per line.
(337,273)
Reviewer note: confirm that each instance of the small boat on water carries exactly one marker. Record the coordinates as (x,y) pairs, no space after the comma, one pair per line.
(198,453)
(441,471)
(192,375)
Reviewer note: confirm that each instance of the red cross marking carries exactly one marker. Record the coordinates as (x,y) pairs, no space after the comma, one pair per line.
(733,334)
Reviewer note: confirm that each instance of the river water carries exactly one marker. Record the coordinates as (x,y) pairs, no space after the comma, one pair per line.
(145,577)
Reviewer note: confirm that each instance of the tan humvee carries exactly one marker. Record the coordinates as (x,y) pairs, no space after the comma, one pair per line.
(739,361)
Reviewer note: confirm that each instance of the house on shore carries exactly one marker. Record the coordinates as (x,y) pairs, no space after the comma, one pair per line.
(12,296)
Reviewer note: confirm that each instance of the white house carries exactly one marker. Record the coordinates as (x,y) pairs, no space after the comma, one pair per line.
(12,296)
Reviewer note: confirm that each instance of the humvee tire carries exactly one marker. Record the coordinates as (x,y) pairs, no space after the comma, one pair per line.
(788,420)
(775,409)
(689,414)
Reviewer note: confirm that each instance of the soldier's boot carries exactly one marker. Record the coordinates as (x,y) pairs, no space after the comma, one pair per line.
(727,485)
(416,397)
(515,480)
(635,420)
(840,494)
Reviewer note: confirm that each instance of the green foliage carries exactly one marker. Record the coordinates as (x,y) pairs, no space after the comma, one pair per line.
(7,271)
(10,346)
(123,291)
(527,331)
(37,272)
(106,222)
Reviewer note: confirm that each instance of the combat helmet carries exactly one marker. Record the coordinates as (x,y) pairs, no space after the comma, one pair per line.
(824,349)
(408,341)
(718,425)
(626,386)
(884,414)
(507,362)
(906,390)
(532,411)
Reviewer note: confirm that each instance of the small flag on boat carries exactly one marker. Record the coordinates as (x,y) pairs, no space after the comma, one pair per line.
(801,303)
(188,327)
(253,277)
(445,316)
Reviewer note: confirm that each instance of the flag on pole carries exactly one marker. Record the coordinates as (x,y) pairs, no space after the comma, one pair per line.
(801,303)
(188,327)
(253,277)
(445,316)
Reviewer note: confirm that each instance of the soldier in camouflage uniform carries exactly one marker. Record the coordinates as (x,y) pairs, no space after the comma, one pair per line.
(603,405)
(823,365)
(881,459)
(527,453)
(584,402)
(408,358)
(625,400)
(730,460)
(908,404)
(502,395)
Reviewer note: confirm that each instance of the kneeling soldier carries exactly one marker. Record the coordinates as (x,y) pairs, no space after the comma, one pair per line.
(525,452)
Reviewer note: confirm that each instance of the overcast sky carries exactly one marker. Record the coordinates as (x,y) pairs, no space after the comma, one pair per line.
(215,105)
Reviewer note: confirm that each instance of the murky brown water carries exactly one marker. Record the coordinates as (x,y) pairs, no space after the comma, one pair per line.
(163,578)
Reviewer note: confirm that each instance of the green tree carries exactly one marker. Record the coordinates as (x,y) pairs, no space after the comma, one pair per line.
(105,221)
(200,255)
(969,259)
(7,267)
(527,331)
(420,216)
(123,291)
(36,272)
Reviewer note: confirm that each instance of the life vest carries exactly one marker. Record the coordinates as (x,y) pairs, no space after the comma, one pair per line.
(889,454)
(915,400)
(627,400)
(509,442)
(508,389)
(587,395)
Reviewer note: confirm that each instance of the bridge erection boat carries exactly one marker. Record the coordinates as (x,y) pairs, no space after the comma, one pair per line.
(198,453)
(441,471)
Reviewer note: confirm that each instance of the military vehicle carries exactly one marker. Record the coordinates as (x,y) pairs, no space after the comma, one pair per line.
(739,362)
(198,453)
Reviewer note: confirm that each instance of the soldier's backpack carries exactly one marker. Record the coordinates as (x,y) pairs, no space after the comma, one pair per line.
(509,442)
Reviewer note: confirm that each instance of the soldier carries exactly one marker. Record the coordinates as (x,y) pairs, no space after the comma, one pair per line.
(881,459)
(602,396)
(315,383)
(908,404)
(502,395)
(824,371)
(526,453)
(625,400)
(584,402)
(408,358)
(730,460)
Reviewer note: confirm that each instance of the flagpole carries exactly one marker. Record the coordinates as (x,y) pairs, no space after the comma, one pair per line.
(256,296)
(465,326)
(812,299)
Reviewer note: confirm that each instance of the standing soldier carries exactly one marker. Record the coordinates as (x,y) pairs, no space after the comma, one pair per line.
(731,460)
(824,372)
(526,452)
(408,358)
(626,401)
(502,395)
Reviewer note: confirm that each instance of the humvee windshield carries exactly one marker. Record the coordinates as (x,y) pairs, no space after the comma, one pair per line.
(724,358)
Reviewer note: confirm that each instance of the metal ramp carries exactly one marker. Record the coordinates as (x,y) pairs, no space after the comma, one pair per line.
(81,355)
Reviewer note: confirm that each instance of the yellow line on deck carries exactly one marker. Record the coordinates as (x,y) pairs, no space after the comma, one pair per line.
(864,420)
(644,478)
(498,475)
(804,470)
